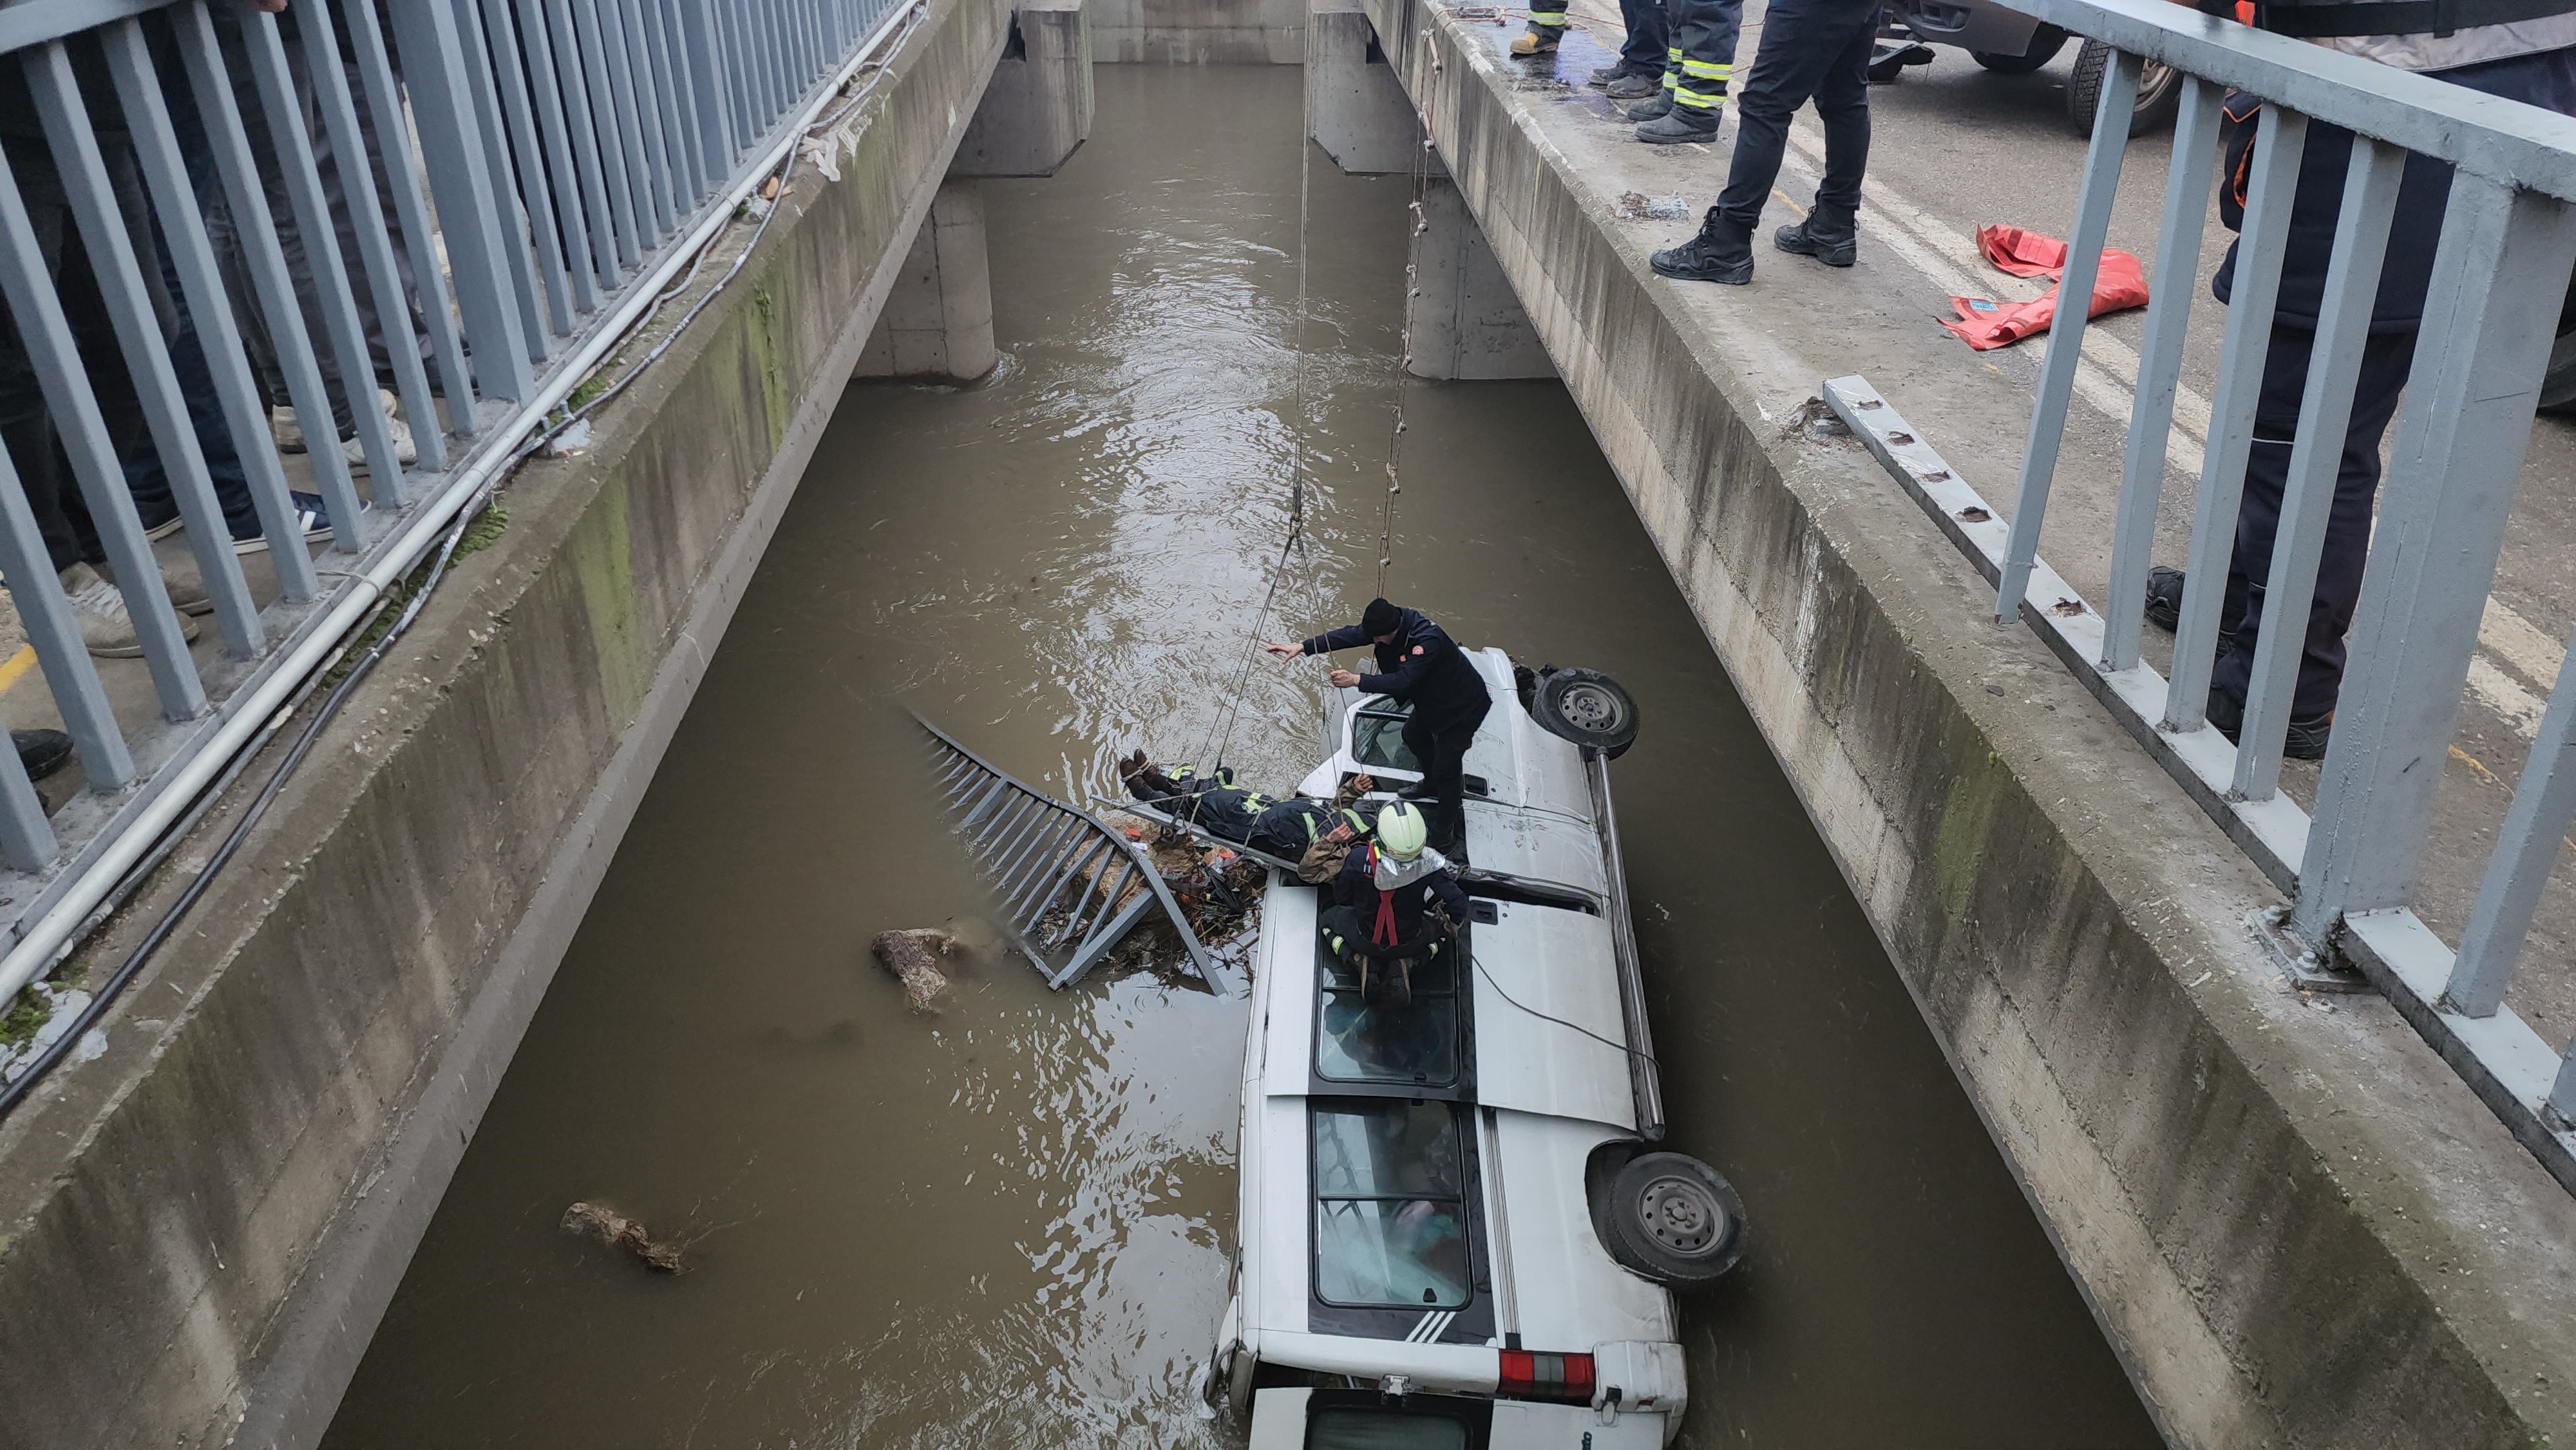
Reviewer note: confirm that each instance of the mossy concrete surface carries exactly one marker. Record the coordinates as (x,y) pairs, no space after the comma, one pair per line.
(2294,1223)
(199,1229)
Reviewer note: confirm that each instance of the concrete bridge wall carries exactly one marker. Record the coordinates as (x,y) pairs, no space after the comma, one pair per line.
(2296,1227)
(200,1229)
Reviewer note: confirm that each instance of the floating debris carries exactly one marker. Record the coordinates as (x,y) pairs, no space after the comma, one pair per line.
(591,1220)
(913,956)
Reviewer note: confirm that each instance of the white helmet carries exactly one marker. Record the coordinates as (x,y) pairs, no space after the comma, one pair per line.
(1401,833)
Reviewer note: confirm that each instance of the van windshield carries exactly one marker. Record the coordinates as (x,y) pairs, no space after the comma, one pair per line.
(1355,1429)
(1377,738)
(1390,1205)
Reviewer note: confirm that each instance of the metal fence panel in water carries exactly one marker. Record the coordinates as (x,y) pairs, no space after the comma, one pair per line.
(2498,276)
(272,277)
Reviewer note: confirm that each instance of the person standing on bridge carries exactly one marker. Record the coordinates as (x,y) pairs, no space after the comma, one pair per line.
(1418,664)
(1675,61)
(1811,50)
(1699,63)
(2528,54)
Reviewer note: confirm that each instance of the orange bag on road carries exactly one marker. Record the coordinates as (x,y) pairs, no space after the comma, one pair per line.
(1985,323)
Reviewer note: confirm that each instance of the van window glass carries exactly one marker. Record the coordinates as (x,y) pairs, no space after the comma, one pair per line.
(1390,1211)
(1378,1430)
(1416,1043)
(1377,739)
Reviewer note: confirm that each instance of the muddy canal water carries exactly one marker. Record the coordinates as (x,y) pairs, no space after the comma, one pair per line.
(1008,1225)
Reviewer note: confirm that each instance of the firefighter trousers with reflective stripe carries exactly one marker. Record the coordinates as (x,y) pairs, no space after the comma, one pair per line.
(1700,55)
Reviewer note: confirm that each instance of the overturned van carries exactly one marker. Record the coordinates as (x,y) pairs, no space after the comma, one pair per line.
(1455,1230)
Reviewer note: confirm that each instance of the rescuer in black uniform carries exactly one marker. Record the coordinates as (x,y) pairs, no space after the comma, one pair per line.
(1418,664)
(2521,50)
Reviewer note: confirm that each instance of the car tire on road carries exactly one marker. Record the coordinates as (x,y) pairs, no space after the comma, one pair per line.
(1673,1219)
(2045,43)
(1586,707)
(2159,92)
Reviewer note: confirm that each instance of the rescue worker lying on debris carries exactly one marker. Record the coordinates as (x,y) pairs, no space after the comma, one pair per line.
(1287,828)
(1396,905)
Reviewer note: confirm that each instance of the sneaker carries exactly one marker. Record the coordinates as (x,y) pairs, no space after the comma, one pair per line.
(164,529)
(186,587)
(1679,124)
(1653,106)
(41,752)
(282,429)
(1633,87)
(1722,252)
(310,517)
(106,629)
(2305,740)
(405,450)
(1537,40)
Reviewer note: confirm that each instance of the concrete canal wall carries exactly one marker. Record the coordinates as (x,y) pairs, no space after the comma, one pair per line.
(199,1230)
(2296,1227)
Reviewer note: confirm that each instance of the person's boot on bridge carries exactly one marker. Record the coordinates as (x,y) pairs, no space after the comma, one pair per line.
(1811,50)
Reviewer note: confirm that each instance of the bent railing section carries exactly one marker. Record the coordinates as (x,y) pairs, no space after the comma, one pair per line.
(2499,275)
(210,213)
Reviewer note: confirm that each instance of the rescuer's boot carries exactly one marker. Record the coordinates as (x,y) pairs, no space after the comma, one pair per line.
(1722,252)
(1541,37)
(1603,77)
(1829,234)
(1635,86)
(1679,124)
(1652,106)
(2305,739)
(2164,605)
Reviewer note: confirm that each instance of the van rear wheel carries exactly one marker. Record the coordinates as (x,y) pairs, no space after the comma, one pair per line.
(1673,1219)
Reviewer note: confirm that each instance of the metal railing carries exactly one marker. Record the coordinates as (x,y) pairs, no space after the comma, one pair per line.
(209,212)
(2498,277)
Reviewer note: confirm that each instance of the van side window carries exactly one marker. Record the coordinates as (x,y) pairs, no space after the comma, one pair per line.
(1390,1204)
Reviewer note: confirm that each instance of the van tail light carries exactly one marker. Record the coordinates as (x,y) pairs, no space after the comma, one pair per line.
(1528,1375)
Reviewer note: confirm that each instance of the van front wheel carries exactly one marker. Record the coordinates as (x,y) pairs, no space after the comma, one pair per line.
(1674,1220)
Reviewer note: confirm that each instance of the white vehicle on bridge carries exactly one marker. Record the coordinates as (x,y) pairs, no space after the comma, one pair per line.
(1454,1231)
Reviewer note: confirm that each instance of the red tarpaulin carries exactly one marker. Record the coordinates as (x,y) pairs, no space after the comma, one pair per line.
(1985,323)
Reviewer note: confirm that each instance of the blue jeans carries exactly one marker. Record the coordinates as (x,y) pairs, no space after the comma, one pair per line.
(1811,50)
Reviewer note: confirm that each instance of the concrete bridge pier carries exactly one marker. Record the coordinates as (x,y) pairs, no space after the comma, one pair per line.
(1462,320)
(1037,108)
(1355,107)
(1036,111)
(938,319)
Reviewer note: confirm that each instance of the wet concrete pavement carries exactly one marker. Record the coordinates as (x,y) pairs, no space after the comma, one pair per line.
(1009,1224)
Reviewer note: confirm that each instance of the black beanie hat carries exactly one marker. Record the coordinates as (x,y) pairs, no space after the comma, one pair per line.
(1380,618)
